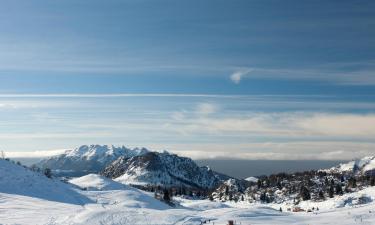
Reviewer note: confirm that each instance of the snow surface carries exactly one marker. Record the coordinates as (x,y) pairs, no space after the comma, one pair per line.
(15,179)
(252,179)
(365,164)
(95,182)
(30,198)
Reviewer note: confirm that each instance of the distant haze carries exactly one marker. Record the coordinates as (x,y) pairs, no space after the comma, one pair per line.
(247,168)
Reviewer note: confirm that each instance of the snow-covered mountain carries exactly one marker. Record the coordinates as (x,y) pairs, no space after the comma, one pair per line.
(231,189)
(162,169)
(87,159)
(27,197)
(365,165)
(312,185)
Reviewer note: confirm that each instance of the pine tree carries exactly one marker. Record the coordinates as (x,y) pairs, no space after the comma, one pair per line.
(166,196)
(339,189)
(321,195)
(305,193)
(263,197)
(279,186)
(47,172)
(331,191)
(352,182)
(226,190)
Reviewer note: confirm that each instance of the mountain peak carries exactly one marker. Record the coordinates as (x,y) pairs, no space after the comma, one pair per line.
(88,159)
(363,165)
(165,169)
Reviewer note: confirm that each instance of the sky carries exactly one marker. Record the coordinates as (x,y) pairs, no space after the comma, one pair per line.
(244,79)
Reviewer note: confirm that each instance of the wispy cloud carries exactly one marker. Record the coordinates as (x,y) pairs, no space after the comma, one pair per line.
(194,125)
(113,95)
(237,76)
(206,108)
(35,154)
(275,150)
(288,125)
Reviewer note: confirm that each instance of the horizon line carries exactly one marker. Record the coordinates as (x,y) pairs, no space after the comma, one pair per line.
(108,95)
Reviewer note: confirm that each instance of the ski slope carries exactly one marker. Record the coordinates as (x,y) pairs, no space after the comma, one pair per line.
(30,198)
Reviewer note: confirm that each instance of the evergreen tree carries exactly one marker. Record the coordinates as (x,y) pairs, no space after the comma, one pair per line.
(339,189)
(321,195)
(263,197)
(331,191)
(47,172)
(279,186)
(352,182)
(305,193)
(166,196)
(326,182)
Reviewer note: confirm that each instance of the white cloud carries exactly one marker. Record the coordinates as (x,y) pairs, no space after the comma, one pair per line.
(34,154)
(237,76)
(287,125)
(291,150)
(73,95)
(206,108)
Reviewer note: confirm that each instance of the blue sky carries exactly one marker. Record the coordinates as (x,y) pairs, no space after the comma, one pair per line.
(243,79)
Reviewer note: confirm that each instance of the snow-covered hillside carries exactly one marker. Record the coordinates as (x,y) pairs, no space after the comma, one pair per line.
(252,179)
(87,159)
(17,180)
(27,197)
(161,169)
(95,182)
(132,206)
(364,165)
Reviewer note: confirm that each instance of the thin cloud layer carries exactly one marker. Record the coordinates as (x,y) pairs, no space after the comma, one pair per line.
(242,126)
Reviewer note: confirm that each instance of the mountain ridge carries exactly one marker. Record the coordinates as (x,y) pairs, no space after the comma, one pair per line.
(154,168)
(87,159)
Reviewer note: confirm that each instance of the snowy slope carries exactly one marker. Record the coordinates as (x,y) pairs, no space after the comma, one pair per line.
(29,198)
(252,179)
(96,182)
(87,159)
(17,180)
(122,207)
(366,164)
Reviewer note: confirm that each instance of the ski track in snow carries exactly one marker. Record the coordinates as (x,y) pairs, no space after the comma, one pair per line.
(18,209)
(107,202)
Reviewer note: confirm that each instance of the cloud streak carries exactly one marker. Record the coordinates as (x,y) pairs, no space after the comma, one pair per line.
(237,76)
(288,125)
